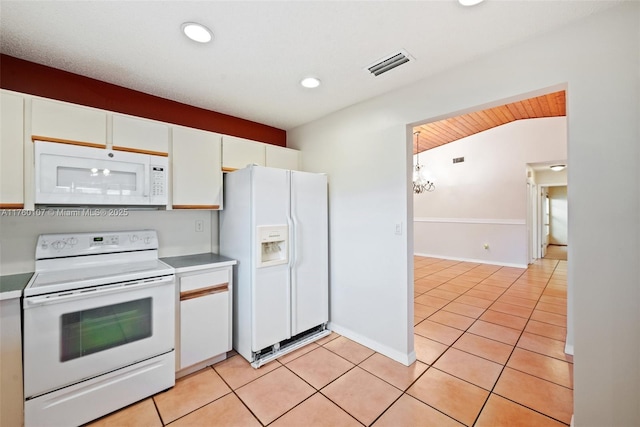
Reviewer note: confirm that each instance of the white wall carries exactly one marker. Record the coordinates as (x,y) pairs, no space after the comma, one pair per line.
(550,178)
(483,200)
(176,232)
(365,149)
(558,215)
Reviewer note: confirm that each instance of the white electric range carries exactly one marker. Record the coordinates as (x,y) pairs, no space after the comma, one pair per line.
(98,325)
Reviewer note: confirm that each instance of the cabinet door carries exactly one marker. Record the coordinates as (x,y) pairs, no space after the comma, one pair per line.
(196,167)
(205,316)
(12,400)
(283,158)
(11,151)
(62,122)
(140,135)
(238,153)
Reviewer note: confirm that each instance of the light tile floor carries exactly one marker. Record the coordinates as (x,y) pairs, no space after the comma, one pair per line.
(490,347)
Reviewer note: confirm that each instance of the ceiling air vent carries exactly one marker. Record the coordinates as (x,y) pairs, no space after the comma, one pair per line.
(389,63)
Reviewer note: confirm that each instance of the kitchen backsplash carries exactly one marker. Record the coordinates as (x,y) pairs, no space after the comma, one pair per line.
(176,231)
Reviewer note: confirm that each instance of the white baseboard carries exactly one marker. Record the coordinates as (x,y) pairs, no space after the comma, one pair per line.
(568,349)
(480,261)
(400,357)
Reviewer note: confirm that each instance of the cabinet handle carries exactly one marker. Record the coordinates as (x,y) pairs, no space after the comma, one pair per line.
(197,293)
(35,138)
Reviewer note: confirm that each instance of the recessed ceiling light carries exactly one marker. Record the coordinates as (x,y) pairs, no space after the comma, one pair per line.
(310,82)
(557,168)
(470,2)
(197,32)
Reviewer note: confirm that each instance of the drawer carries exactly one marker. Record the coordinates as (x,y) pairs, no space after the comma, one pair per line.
(205,280)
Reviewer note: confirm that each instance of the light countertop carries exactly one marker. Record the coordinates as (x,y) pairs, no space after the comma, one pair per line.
(196,262)
(11,286)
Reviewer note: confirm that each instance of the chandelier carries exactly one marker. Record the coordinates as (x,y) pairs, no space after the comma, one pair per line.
(420,183)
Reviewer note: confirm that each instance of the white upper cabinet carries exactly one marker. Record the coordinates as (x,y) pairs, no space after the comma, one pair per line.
(237,153)
(196,166)
(11,151)
(62,122)
(140,135)
(282,158)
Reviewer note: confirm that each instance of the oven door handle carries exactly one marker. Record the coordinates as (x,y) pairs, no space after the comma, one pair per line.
(60,297)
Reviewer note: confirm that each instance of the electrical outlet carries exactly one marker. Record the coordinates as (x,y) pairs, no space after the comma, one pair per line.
(199,225)
(486,246)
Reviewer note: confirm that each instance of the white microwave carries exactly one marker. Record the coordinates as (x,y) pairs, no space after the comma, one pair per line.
(73,175)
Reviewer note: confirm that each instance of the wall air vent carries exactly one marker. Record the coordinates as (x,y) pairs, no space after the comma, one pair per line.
(388,63)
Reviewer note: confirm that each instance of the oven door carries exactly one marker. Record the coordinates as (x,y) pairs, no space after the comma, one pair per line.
(77,335)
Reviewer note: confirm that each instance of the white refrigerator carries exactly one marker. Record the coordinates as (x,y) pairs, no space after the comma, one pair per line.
(275,223)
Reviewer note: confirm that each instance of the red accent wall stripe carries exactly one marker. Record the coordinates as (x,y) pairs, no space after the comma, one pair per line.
(28,77)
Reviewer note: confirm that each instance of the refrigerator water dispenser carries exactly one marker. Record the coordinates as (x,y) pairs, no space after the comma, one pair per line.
(273,241)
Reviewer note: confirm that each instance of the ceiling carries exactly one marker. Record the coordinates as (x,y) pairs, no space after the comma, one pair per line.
(442,132)
(262,49)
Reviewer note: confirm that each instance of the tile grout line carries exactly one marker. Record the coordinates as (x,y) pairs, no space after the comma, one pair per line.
(510,355)
(478,318)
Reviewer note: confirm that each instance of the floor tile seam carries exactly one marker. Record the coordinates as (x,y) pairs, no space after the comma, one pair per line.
(314,387)
(403,391)
(550,312)
(155,405)
(444,324)
(316,391)
(499,376)
(505,364)
(345,409)
(481,357)
(442,412)
(439,342)
(388,407)
(431,406)
(468,305)
(246,405)
(516,346)
(250,381)
(529,320)
(543,354)
(530,408)
(510,314)
(537,376)
(499,295)
(544,336)
(512,346)
(354,364)
(467,381)
(198,408)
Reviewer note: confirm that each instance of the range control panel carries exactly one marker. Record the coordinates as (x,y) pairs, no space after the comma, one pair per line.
(76,244)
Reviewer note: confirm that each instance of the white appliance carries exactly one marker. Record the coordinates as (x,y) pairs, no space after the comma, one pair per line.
(98,326)
(275,223)
(72,175)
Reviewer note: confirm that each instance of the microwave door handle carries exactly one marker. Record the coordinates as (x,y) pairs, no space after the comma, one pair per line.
(147,179)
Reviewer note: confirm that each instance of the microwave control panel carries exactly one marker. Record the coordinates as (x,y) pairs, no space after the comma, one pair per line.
(158,180)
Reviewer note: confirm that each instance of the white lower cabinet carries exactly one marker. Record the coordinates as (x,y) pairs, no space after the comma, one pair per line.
(204,318)
(11,366)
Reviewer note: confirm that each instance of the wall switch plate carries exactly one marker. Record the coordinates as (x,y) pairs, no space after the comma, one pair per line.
(199,225)
(399,229)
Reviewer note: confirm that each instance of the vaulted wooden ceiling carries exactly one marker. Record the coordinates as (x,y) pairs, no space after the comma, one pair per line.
(442,132)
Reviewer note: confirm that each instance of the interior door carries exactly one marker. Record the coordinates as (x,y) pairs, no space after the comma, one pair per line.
(544,221)
(309,253)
